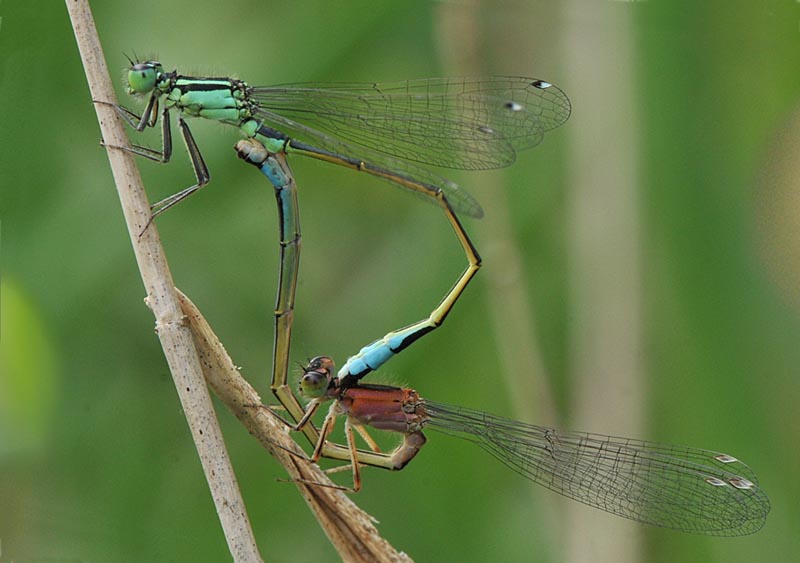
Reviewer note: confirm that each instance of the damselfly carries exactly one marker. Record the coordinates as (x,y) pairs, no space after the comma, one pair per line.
(381,129)
(679,487)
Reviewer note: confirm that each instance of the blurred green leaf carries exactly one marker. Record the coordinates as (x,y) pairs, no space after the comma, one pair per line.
(29,382)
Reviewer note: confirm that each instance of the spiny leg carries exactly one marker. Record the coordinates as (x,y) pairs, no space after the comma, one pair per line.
(327,428)
(139,122)
(199,167)
(351,443)
(148,119)
(373,445)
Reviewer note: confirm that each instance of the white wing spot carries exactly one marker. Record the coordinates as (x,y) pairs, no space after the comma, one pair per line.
(741,483)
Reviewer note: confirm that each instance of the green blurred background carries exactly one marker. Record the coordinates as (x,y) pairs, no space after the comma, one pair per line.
(641,274)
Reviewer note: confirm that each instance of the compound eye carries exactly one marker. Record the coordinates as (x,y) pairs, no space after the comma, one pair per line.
(313,384)
(142,77)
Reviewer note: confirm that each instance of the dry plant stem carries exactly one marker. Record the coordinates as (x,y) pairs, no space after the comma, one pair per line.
(173,331)
(350,529)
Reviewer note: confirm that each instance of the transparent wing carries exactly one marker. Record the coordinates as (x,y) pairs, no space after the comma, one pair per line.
(461,201)
(466,123)
(677,487)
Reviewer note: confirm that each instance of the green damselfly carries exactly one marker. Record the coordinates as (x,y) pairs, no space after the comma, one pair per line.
(383,129)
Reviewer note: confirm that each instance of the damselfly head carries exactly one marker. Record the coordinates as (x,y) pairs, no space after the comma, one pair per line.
(142,77)
(316,378)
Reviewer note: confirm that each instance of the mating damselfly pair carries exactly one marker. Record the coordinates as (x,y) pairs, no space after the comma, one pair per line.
(386,130)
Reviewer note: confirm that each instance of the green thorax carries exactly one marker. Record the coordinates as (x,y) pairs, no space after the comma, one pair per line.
(218,99)
(225,100)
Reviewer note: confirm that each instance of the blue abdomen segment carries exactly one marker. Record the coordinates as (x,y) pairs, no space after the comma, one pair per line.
(276,176)
(374,355)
